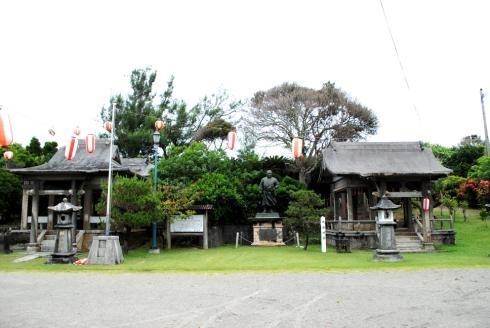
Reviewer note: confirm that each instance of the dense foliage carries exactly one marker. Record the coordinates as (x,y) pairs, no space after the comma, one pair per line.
(304,212)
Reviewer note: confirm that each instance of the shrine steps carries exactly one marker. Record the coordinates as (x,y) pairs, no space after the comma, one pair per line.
(409,243)
(47,244)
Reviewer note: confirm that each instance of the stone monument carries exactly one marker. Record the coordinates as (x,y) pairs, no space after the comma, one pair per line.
(385,225)
(267,225)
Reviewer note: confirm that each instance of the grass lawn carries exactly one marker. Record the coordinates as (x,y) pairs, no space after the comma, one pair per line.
(472,250)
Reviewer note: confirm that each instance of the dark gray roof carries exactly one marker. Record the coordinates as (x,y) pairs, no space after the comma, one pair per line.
(83,162)
(381,158)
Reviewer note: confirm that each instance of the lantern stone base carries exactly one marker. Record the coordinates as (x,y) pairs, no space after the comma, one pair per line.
(267,230)
(105,250)
(387,255)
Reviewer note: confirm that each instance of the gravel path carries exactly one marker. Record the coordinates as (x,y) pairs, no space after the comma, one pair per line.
(436,298)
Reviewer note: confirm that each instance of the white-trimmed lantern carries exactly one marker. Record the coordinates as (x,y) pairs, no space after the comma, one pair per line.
(8,155)
(159,124)
(71,148)
(90,143)
(6,134)
(231,140)
(108,126)
(297,146)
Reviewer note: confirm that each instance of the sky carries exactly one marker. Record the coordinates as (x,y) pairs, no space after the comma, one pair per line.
(60,61)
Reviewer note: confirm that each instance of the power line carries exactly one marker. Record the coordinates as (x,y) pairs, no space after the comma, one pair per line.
(399,60)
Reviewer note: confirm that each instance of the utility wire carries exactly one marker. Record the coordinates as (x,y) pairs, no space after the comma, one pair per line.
(399,61)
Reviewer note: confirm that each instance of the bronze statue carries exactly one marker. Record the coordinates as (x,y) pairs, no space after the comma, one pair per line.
(268,186)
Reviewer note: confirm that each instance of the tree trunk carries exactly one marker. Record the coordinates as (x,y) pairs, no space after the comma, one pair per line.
(302,175)
(464,214)
(126,234)
(306,241)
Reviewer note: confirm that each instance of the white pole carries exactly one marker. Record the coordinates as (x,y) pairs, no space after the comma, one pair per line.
(297,240)
(487,144)
(323,236)
(109,180)
(237,237)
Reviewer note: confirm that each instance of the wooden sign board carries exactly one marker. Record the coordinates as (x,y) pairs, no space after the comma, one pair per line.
(193,224)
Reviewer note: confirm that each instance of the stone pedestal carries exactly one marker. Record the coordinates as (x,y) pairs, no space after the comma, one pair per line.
(64,252)
(105,250)
(33,248)
(267,229)
(387,250)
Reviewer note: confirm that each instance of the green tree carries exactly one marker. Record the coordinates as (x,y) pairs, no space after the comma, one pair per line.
(481,170)
(134,204)
(304,211)
(10,195)
(34,147)
(318,116)
(136,115)
(223,192)
(463,158)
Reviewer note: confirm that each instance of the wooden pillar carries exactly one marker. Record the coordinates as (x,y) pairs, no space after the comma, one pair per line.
(50,213)
(87,208)
(350,205)
(409,214)
(343,206)
(35,214)
(205,231)
(25,209)
(168,235)
(334,205)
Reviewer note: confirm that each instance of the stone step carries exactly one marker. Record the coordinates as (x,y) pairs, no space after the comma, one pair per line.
(47,245)
(49,237)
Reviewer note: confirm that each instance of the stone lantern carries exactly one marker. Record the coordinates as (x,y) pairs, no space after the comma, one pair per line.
(385,225)
(64,251)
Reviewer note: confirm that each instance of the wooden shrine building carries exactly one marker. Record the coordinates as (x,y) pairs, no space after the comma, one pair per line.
(80,180)
(358,173)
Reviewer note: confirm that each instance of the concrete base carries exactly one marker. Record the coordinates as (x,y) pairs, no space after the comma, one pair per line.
(105,250)
(387,255)
(154,251)
(33,248)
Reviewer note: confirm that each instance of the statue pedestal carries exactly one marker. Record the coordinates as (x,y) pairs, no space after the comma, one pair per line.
(267,229)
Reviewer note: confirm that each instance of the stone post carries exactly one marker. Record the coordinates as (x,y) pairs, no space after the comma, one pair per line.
(25,209)
(33,245)
(87,208)
(50,213)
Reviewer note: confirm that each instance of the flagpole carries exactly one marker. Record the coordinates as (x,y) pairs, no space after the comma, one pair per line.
(109,180)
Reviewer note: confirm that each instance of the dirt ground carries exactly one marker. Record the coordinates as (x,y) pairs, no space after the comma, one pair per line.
(436,298)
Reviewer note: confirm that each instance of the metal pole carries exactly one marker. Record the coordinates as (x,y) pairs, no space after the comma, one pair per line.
(487,143)
(109,182)
(155,179)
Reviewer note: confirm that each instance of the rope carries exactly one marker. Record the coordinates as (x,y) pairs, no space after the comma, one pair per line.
(404,74)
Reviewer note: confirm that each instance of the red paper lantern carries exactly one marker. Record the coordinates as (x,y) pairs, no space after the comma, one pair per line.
(6,135)
(232,140)
(76,131)
(159,125)
(90,143)
(71,148)
(297,148)
(108,126)
(8,155)
(426,204)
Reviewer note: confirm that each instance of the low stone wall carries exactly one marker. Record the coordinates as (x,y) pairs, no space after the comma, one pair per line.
(446,237)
